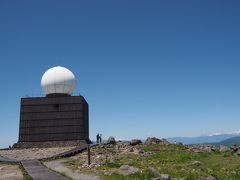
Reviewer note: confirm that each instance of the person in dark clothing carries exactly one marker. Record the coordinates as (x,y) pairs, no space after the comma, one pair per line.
(100,138)
(97,137)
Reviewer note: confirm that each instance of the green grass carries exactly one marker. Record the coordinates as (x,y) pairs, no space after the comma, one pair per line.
(175,160)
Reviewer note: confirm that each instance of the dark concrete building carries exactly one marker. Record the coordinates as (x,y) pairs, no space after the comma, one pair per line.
(57,117)
(53,119)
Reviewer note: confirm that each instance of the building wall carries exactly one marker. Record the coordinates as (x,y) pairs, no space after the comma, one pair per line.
(53,119)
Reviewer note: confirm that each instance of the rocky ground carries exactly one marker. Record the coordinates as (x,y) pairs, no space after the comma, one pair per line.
(76,165)
(108,152)
(57,165)
(154,159)
(10,172)
(33,153)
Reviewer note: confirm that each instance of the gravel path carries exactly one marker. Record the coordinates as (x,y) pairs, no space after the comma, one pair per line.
(33,153)
(59,167)
(10,172)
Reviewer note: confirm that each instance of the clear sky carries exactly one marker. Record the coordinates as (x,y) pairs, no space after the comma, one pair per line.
(147,68)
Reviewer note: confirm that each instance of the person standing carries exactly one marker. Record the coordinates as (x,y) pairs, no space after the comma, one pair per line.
(97,137)
(100,138)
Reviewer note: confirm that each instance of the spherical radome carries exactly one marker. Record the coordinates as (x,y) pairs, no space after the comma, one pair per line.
(58,80)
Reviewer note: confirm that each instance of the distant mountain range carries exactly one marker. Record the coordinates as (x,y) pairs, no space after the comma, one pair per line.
(230,141)
(225,138)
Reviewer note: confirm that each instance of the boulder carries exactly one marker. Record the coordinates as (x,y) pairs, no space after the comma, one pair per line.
(127,170)
(135,142)
(158,175)
(154,140)
(200,148)
(207,148)
(208,178)
(223,148)
(195,163)
(163,177)
(93,165)
(238,152)
(111,140)
(234,148)
(213,148)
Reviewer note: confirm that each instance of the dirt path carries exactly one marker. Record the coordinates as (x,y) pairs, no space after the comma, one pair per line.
(10,172)
(59,167)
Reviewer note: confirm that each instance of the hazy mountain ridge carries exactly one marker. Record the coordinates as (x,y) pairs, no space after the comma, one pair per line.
(214,138)
(230,141)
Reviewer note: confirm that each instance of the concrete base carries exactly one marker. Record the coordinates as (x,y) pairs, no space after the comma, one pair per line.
(48,144)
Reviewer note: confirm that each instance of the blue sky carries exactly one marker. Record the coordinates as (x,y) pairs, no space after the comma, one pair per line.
(146,68)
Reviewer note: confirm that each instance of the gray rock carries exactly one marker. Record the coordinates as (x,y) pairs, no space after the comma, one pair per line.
(111,140)
(155,172)
(207,148)
(135,142)
(93,165)
(223,148)
(202,148)
(183,170)
(154,140)
(158,175)
(195,163)
(234,147)
(127,170)
(207,178)
(130,150)
(164,176)
(213,148)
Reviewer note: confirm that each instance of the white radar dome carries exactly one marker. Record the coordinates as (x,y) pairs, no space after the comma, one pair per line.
(58,80)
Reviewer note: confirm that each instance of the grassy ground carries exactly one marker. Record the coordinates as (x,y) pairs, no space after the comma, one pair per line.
(175,160)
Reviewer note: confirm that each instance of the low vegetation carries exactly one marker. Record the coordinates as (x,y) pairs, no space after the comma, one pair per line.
(154,160)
